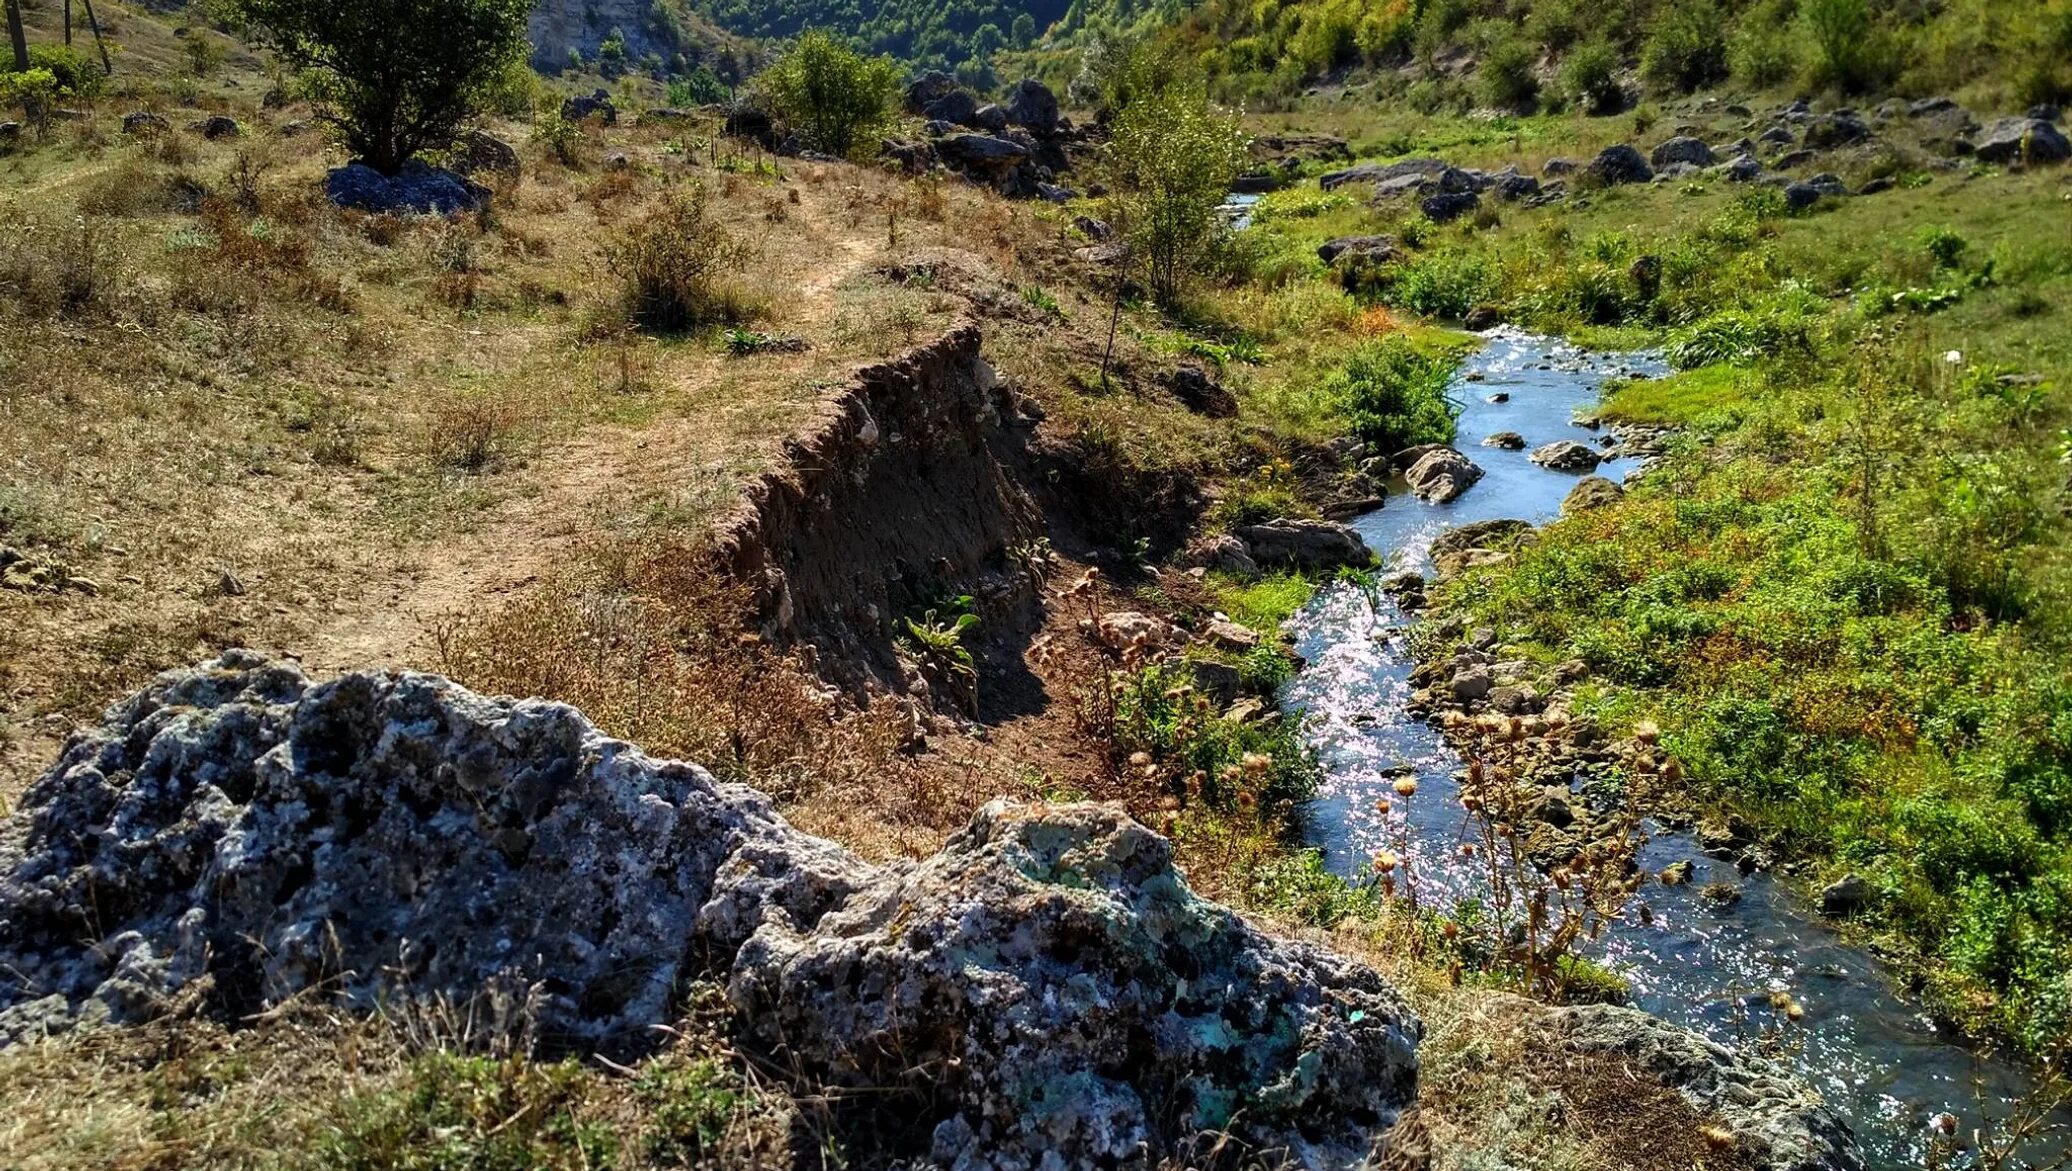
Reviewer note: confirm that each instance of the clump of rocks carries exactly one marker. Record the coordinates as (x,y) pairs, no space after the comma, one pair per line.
(1019,147)
(1046,991)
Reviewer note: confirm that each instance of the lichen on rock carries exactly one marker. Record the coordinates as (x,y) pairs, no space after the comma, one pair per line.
(1046,991)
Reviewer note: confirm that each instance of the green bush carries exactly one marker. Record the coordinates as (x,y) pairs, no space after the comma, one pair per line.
(32,91)
(1849,49)
(1687,47)
(1507,78)
(1763,50)
(77,75)
(1172,157)
(835,96)
(1392,395)
(400,75)
(1445,283)
(1590,78)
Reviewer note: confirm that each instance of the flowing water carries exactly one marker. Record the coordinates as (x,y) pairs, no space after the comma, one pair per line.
(1877,1058)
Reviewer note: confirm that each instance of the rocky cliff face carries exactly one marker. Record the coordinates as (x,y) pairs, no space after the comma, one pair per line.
(1046,991)
(558,26)
(898,493)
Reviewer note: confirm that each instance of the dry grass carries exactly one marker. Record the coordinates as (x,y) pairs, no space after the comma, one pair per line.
(375,422)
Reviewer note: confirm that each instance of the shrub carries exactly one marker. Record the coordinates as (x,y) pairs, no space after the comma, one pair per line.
(398,76)
(1844,40)
(1444,284)
(76,74)
(1507,75)
(1763,50)
(33,91)
(678,263)
(1393,395)
(833,94)
(1590,78)
(1687,48)
(1172,157)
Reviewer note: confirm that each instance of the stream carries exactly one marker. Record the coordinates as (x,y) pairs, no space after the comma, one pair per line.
(1876,1058)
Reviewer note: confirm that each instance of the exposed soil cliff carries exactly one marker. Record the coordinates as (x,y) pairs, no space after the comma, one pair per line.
(898,495)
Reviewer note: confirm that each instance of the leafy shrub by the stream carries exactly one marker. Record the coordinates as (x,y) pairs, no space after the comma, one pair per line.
(1393,395)
(1445,283)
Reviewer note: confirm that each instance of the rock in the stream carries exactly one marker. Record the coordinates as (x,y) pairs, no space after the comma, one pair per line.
(1441,475)
(1305,544)
(1778,1121)
(1045,992)
(1565,455)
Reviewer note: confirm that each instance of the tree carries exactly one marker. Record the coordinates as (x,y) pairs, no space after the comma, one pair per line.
(835,95)
(1022,33)
(398,76)
(1172,157)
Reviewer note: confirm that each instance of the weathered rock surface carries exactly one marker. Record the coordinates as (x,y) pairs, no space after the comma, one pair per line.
(2022,140)
(416,189)
(1683,149)
(1380,172)
(1621,164)
(1591,492)
(1777,1120)
(1442,475)
(1565,455)
(1056,980)
(1307,544)
(1047,988)
(380,834)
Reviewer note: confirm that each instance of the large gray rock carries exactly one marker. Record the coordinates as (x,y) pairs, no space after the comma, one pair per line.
(1380,172)
(1053,977)
(1683,149)
(2031,140)
(389,836)
(1447,207)
(983,153)
(1305,544)
(416,189)
(1777,1121)
(1441,475)
(1047,987)
(1621,164)
(1565,455)
(1591,492)
(1031,105)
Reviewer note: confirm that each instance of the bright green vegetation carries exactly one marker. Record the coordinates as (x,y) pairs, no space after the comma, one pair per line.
(962,35)
(1843,598)
(1171,158)
(1997,50)
(828,91)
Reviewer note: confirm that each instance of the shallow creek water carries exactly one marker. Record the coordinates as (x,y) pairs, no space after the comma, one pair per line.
(1874,1056)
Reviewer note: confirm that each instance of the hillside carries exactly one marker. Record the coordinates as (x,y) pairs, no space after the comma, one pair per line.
(1369,631)
(1453,55)
(962,36)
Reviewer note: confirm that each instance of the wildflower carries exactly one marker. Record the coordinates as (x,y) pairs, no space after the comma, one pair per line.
(1386,861)
(1406,786)
(1954,357)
